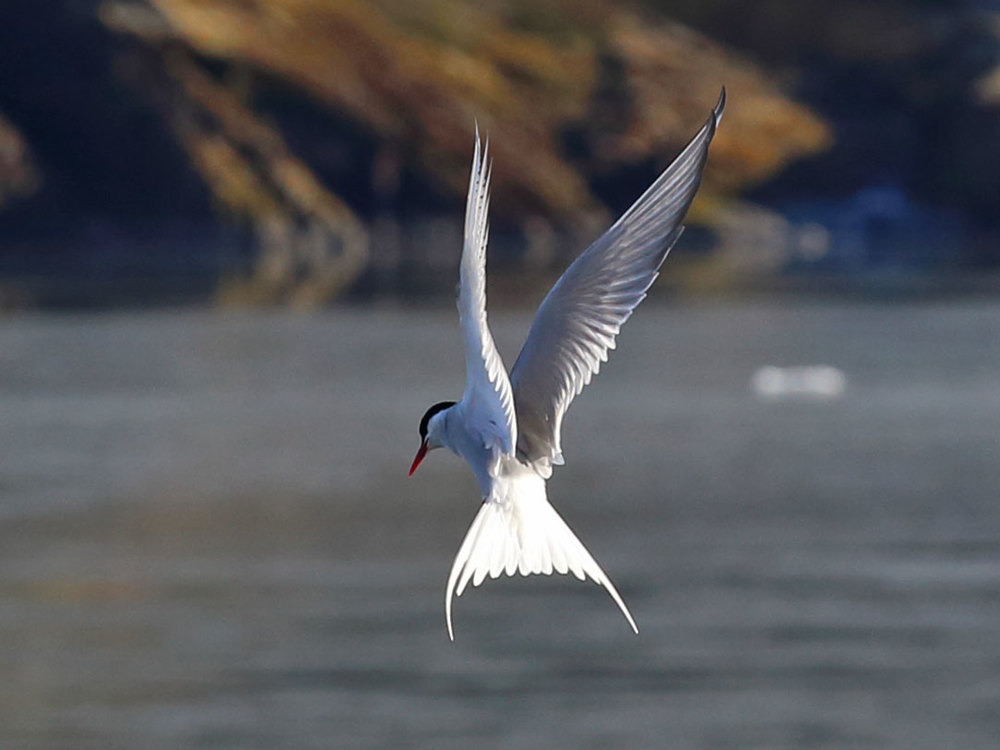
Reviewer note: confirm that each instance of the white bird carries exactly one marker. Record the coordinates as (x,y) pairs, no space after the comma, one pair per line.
(508,428)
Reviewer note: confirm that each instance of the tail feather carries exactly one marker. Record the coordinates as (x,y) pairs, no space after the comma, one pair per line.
(527,537)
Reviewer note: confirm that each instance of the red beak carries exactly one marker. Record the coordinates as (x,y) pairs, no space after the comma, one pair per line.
(420,457)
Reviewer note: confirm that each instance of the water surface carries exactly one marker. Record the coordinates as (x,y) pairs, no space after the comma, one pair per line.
(208,540)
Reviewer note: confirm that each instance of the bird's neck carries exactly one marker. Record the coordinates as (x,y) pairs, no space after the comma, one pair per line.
(451,428)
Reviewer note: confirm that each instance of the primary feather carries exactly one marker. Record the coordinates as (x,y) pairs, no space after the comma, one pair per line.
(488,394)
(578,321)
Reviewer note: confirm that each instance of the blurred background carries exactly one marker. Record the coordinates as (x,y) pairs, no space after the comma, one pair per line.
(229,234)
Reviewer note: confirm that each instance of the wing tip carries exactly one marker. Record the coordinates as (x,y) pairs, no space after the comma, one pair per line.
(712,124)
(720,107)
(482,142)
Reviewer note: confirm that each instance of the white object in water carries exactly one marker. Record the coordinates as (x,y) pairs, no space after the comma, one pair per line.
(821,382)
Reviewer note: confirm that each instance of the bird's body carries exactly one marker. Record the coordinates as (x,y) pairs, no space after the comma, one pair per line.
(507,428)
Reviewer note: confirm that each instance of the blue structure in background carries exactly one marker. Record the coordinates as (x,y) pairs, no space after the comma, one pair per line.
(877,229)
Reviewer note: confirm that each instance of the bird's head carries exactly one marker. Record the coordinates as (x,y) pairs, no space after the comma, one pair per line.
(431,431)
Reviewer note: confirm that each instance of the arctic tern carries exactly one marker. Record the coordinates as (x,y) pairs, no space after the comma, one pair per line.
(508,427)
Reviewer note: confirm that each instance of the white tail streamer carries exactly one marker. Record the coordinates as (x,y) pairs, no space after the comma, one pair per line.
(522,534)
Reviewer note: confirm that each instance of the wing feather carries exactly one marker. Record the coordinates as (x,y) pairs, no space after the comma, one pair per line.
(488,400)
(577,323)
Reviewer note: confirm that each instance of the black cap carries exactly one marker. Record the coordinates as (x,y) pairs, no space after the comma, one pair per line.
(430,413)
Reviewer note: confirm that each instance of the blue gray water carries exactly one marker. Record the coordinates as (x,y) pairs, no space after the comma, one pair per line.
(208,540)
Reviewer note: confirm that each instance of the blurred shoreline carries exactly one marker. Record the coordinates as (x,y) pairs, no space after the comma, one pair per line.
(508,290)
(283,153)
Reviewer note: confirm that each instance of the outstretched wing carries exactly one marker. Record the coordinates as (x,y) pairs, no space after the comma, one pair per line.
(578,321)
(488,402)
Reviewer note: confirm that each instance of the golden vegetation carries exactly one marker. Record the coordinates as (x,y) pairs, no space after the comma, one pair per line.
(417,75)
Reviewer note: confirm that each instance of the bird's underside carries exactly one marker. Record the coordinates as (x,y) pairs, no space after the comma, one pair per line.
(508,428)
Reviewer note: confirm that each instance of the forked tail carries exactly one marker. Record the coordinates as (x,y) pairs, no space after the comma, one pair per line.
(523,536)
